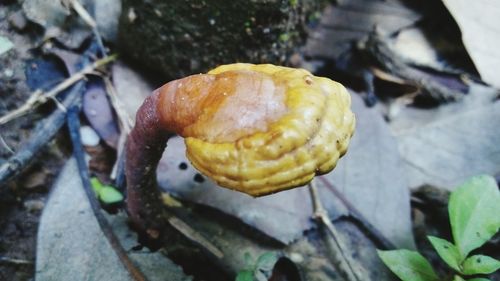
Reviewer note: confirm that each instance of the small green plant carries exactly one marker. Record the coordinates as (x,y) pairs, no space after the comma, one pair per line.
(474,210)
(107,194)
(259,269)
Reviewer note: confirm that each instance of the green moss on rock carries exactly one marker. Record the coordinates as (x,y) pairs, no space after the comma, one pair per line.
(183,37)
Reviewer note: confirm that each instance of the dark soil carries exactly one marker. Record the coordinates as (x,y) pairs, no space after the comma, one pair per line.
(21,199)
(21,204)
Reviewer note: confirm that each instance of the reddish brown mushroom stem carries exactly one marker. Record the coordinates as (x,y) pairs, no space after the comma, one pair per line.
(166,112)
(145,145)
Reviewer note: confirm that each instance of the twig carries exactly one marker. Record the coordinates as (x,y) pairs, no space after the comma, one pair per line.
(126,124)
(380,52)
(15,261)
(125,119)
(38,97)
(74,130)
(379,239)
(193,235)
(344,263)
(44,131)
(4,144)
(89,20)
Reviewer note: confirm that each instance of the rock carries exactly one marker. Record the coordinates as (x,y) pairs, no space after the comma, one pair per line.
(18,21)
(89,136)
(179,38)
(34,205)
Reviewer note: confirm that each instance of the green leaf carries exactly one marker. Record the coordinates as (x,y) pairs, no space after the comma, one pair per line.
(259,276)
(474,207)
(96,185)
(447,251)
(245,275)
(106,193)
(458,278)
(408,265)
(110,195)
(5,45)
(266,261)
(247,257)
(480,264)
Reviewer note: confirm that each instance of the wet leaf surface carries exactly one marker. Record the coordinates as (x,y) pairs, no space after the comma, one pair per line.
(131,87)
(372,178)
(97,109)
(71,245)
(446,147)
(479,22)
(349,21)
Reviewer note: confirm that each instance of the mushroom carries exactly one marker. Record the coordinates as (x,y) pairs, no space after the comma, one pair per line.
(257,129)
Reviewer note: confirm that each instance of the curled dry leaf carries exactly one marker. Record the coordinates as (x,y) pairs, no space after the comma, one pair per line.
(98,111)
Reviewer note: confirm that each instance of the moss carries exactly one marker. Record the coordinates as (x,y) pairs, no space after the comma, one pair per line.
(180,37)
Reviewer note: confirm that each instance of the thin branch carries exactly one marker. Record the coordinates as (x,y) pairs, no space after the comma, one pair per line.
(126,121)
(193,235)
(15,261)
(380,240)
(126,125)
(74,130)
(89,20)
(6,145)
(38,97)
(44,131)
(320,213)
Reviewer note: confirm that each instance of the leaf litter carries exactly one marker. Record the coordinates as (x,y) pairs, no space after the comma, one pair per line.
(380,191)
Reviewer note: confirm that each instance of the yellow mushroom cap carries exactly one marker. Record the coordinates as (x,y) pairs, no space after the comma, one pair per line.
(261,129)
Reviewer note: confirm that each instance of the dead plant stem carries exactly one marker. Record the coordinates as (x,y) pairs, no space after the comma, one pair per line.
(15,261)
(320,213)
(38,97)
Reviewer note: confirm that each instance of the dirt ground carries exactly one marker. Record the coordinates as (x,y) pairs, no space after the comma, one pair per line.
(22,199)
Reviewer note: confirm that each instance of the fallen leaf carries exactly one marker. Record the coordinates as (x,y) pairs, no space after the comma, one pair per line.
(99,113)
(43,73)
(412,45)
(447,146)
(69,58)
(58,22)
(131,87)
(107,14)
(36,179)
(372,178)
(71,246)
(46,13)
(5,45)
(479,21)
(351,20)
